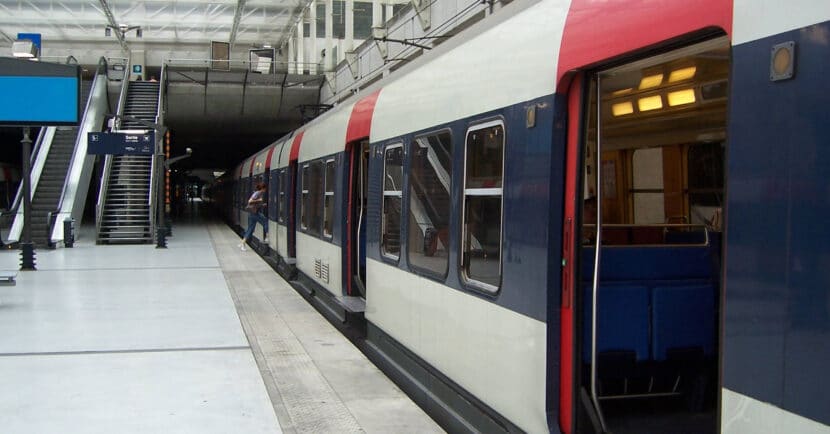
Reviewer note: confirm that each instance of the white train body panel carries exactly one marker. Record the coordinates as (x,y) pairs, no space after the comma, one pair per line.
(310,249)
(753,19)
(281,240)
(245,178)
(445,89)
(492,352)
(259,163)
(744,415)
(327,135)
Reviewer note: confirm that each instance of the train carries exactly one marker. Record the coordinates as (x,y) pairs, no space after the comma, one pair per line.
(578,216)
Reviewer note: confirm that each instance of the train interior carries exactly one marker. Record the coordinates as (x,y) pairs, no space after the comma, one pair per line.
(655,174)
(359,191)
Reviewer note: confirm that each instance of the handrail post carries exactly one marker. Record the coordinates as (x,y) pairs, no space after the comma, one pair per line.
(597,257)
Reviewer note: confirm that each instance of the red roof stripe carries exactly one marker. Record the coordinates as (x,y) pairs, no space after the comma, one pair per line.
(268,158)
(595,31)
(360,123)
(295,147)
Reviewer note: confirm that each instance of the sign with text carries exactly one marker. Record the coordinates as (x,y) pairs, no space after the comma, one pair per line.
(121,143)
(39,94)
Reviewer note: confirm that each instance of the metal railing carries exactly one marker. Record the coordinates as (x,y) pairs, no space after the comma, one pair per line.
(274,66)
(154,199)
(662,229)
(105,173)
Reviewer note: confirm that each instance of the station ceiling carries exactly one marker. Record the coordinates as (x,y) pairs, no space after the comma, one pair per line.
(172,29)
(179,22)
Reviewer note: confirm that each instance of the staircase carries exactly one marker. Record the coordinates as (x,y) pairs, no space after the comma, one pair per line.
(47,195)
(126,215)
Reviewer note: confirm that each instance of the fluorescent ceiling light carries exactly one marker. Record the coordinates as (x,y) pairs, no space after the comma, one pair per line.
(650,103)
(651,81)
(680,97)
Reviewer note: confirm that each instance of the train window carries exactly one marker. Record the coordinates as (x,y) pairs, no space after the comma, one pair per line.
(430,173)
(647,187)
(328,205)
(306,197)
(314,213)
(283,206)
(481,230)
(392,194)
(273,194)
(706,174)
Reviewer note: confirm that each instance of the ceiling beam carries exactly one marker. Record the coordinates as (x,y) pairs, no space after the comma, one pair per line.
(106,8)
(5,36)
(237,16)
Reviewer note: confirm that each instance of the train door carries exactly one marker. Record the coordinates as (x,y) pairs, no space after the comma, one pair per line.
(292,208)
(358,189)
(645,272)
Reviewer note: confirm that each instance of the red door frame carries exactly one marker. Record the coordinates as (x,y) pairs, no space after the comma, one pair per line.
(595,32)
(357,130)
(567,393)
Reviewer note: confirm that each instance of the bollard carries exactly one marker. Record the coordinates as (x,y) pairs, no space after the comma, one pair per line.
(69,232)
(161,241)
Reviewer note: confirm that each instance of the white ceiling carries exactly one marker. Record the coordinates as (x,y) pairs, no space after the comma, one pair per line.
(178,23)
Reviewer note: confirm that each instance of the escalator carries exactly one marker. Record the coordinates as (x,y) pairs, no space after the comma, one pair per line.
(47,195)
(61,169)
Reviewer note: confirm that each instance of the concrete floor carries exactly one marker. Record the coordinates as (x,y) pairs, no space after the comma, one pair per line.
(104,339)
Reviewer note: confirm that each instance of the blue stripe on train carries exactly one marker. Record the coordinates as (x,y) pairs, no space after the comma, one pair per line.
(777,330)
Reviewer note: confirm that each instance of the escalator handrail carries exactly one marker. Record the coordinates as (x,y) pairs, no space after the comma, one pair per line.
(122,97)
(52,216)
(19,196)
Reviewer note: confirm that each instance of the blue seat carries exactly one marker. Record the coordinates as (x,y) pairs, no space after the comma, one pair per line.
(651,263)
(683,316)
(623,320)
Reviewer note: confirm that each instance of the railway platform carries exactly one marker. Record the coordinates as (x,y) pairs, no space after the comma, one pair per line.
(198,337)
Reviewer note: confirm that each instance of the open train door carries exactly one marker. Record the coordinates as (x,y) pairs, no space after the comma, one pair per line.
(644,190)
(357,182)
(357,154)
(292,197)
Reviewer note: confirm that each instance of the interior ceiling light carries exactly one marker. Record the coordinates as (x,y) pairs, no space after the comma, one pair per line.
(650,103)
(681,97)
(682,74)
(622,108)
(651,81)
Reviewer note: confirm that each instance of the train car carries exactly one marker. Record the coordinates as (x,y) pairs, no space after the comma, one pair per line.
(276,223)
(591,225)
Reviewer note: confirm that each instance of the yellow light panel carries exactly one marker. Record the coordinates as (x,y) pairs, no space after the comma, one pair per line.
(621,92)
(622,108)
(682,74)
(680,97)
(651,81)
(650,103)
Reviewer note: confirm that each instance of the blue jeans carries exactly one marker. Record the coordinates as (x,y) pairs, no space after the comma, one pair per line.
(253,219)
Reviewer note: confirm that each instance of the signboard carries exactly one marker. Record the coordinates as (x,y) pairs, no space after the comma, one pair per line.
(34,37)
(261,60)
(121,143)
(39,94)
(220,55)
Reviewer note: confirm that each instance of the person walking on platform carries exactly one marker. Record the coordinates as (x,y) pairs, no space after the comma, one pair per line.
(256,203)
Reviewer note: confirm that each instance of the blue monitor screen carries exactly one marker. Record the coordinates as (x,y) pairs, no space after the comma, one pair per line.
(39,99)
(35,93)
